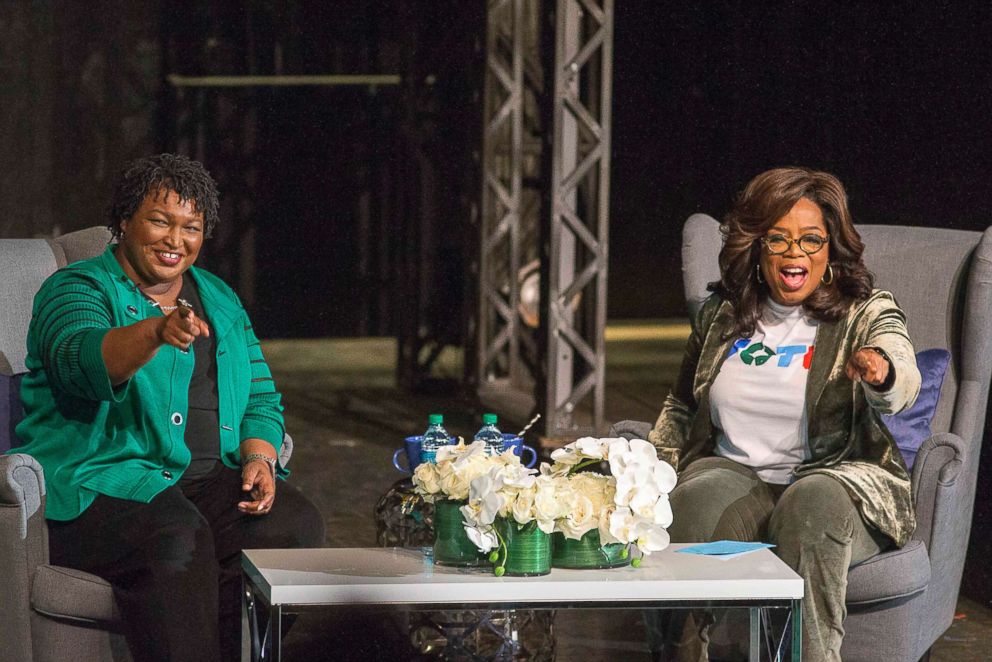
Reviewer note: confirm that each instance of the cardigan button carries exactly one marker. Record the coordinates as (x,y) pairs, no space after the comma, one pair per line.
(177,418)
(166,474)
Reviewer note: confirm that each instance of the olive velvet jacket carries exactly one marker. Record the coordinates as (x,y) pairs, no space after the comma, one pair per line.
(847,438)
(128,441)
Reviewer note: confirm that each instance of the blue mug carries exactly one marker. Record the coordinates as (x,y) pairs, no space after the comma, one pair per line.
(411,447)
(511,440)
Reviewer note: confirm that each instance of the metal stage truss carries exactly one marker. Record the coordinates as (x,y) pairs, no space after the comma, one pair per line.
(545,197)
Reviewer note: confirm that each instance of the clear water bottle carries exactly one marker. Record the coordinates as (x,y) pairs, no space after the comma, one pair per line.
(435,437)
(490,434)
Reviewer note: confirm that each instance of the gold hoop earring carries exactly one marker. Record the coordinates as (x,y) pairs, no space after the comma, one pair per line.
(757,270)
(830,270)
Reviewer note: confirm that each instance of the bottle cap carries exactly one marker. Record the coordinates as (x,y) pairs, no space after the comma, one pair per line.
(489,419)
(435,419)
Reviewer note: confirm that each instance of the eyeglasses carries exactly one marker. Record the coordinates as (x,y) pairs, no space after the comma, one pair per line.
(808,243)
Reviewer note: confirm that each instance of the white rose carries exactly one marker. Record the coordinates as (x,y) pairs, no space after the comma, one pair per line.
(426,479)
(605,537)
(547,507)
(454,486)
(523,507)
(580,520)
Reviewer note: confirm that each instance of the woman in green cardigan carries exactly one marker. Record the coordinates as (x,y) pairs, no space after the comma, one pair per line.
(773,423)
(155,417)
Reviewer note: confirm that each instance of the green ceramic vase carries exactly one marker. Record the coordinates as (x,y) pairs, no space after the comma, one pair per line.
(528,549)
(451,544)
(586,552)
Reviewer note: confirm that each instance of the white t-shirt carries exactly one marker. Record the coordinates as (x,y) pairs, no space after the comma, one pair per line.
(758,400)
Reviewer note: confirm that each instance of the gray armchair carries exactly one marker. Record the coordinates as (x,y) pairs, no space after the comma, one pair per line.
(51,613)
(900,602)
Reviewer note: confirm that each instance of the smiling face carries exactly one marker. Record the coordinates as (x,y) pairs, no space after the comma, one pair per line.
(161,240)
(794,275)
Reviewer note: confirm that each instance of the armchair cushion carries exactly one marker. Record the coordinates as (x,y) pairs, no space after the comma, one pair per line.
(73,594)
(631,429)
(893,574)
(912,426)
(11,411)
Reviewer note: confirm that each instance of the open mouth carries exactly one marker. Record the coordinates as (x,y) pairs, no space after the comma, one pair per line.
(793,277)
(168,258)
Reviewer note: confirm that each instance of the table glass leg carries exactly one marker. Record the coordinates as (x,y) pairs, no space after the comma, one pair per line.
(797,630)
(754,651)
(248,596)
(275,622)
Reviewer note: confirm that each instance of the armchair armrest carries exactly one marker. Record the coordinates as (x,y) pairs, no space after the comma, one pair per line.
(22,483)
(23,547)
(631,429)
(943,496)
(936,474)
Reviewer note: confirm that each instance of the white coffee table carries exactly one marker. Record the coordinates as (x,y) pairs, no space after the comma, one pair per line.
(297,580)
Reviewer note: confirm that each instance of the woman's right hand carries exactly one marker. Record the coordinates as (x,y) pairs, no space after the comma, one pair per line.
(181,327)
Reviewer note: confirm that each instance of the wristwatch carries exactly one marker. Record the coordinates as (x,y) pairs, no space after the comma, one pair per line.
(271,461)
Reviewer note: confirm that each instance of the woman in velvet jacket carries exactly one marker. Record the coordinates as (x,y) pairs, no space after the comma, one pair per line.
(789,242)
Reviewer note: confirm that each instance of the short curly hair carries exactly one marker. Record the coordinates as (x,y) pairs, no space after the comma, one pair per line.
(171,172)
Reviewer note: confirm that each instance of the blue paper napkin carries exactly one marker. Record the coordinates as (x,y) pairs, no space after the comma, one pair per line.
(723,547)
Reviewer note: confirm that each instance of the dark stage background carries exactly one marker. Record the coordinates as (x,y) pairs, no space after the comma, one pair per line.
(353,202)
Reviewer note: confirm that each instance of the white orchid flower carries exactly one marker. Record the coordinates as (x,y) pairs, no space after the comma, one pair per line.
(617,448)
(665,477)
(590,447)
(483,538)
(482,494)
(622,525)
(566,456)
(651,538)
(663,512)
(643,498)
(644,449)
(632,477)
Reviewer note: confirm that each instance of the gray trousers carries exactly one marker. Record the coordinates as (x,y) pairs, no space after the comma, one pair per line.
(813,522)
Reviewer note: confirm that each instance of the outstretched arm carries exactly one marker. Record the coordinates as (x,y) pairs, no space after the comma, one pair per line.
(125,349)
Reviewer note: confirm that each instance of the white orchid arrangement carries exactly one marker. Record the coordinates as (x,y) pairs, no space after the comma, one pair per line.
(630,506)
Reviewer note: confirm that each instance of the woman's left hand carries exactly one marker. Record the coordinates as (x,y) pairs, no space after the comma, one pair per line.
(258,480)
(867,365)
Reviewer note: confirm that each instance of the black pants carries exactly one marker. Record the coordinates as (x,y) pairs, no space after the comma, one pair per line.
(175,563)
